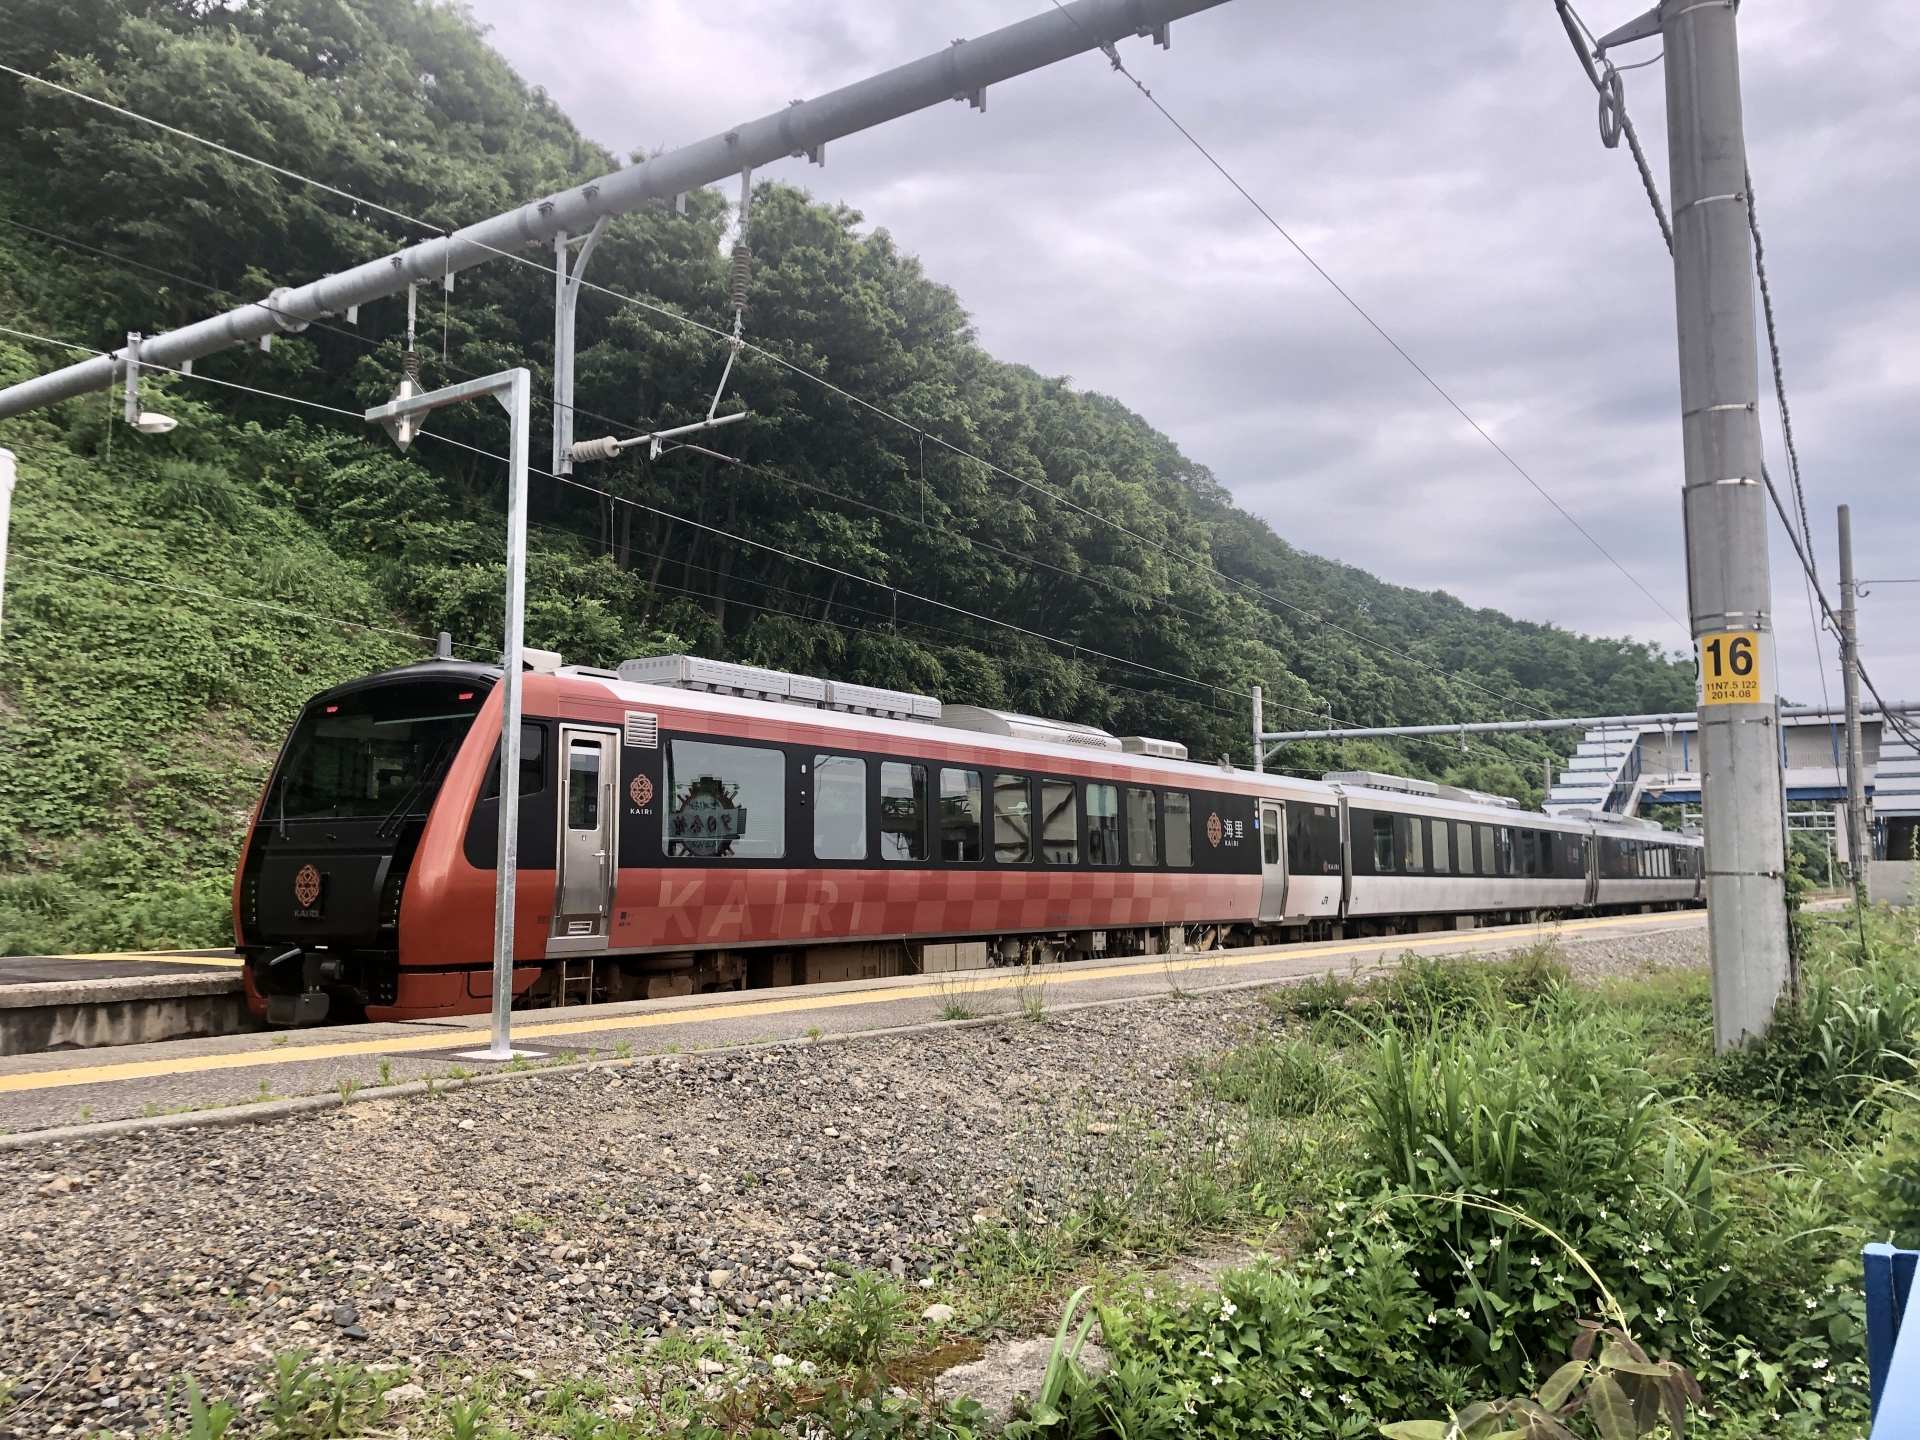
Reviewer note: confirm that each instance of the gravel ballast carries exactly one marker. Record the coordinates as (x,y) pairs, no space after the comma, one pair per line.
(522,1222)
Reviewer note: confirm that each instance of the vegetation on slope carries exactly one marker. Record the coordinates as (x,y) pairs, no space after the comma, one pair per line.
(136,719)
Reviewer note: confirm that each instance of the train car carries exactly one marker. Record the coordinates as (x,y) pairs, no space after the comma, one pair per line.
(688,826)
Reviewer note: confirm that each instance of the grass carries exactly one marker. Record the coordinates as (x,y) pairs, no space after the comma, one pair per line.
(1437,1176)
(957,1000)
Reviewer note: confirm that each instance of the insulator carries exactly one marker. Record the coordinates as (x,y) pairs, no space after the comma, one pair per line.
(742,273)
(604,448)
(410,366)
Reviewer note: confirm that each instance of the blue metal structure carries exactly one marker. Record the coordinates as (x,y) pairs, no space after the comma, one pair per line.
(1893,1350)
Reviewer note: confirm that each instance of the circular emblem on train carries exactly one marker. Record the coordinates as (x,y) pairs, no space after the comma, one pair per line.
(641,790)
(306,886)
(1215,830)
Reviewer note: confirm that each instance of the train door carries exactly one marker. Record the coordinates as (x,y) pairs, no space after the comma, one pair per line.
(583,886)
(1273,860)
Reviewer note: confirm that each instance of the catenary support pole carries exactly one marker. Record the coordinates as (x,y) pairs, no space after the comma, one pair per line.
(1259,729)
(514,390)
(1728,586)
(960,71)
(1857,840)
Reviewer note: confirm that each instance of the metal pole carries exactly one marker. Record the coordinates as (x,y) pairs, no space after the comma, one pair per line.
(6,517)
(514,390)
(1850,671)
(1725,515)
(566,305)
(517,403)
(1259,728)
(961,71)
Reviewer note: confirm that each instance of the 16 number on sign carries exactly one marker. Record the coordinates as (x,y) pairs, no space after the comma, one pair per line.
(1731,668)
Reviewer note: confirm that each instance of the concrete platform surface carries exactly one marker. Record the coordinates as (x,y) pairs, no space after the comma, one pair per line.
(40,1092)
(119,965)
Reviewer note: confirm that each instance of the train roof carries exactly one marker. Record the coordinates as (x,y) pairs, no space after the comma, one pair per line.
(1025,739)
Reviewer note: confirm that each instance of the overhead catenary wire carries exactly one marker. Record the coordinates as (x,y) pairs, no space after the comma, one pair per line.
(724,534)
(960,451)
(1119,66)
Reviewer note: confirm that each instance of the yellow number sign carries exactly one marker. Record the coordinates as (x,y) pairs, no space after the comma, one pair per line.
(1731,666)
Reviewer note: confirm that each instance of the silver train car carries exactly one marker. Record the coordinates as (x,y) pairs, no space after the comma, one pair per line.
(1367,854)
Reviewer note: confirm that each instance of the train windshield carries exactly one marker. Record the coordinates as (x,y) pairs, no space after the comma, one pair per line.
(377,752)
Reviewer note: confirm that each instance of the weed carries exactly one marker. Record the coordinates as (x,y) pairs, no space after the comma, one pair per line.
(459,1072)
(465,1420)
(860,1319)
(1030,995)
(386,1072)
(529,1224)
(281,1039)
(86,1113)
(346,1089)
(324,1401)
(204,1421)
(622,1050)
(956,1000)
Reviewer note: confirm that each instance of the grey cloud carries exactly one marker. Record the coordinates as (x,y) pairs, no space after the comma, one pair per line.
(1442,162)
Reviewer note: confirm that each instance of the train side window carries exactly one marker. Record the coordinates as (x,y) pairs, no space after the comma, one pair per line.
(839,807)
(1441,860)
(1060,822)
(1313,840)
(1143,829)
(960,816)
(533,764)
(1463,846)
(1270,839)
(1549,842)
(1413,845)
(1179,829)
(1012,820)
(1529,853)
(728,801)
(1103,825)
(1383,845)
(1503,851)
(903,811)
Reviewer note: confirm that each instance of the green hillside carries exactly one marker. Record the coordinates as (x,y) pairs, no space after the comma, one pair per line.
(171,600)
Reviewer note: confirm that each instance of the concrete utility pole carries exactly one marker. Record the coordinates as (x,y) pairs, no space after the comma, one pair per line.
(1728,586)
(1259,728)
(1857,855)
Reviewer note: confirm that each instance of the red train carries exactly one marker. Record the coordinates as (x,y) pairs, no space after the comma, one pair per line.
(697,826)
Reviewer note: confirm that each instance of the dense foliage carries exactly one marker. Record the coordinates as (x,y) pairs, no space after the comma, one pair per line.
(137,718)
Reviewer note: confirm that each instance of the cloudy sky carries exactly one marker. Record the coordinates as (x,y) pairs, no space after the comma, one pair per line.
(1442,163)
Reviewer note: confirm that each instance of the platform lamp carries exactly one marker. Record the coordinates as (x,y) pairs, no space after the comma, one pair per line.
(147,422)
(401,417)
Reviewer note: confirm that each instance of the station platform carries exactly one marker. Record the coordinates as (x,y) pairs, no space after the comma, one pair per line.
(216,1079)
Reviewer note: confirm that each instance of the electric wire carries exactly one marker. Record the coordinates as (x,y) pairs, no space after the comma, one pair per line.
(724,534)
(960,451)
(1570,18)
(32,558)
(1360,310)
(223,149)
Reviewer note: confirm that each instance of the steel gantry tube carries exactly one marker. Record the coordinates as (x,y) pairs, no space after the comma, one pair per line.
(962,71)
(1725,512)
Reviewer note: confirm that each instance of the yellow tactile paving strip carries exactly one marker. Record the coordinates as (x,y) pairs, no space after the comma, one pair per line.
(157,957)
(974,981)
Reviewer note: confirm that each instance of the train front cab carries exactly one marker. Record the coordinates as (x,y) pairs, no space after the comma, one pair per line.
(341,832)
